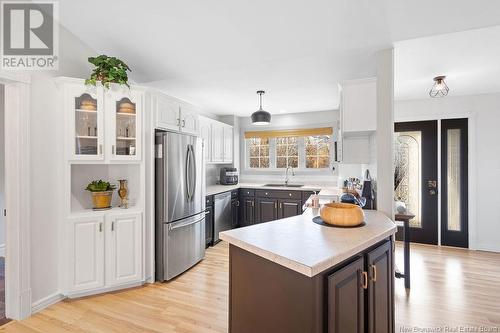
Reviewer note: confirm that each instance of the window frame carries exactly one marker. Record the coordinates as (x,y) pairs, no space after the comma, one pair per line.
(301,158)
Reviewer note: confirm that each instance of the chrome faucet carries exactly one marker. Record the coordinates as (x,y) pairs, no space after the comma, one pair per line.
(286,174)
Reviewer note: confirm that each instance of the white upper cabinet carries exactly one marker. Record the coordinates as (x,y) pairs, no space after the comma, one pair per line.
(190,122)
(167,113)
(228,144)
(358,106)
(102,124)
(176,115)
(206,135)
(217,142)
(84,112)
(124,110)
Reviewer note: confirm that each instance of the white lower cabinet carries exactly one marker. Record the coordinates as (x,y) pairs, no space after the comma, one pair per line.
(86,255)
(123,249)
(106,251)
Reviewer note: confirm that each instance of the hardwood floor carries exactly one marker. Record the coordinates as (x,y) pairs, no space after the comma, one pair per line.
(450,287)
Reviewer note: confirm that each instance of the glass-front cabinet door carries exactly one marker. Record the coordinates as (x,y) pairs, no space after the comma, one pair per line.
(124,108)
(86,109)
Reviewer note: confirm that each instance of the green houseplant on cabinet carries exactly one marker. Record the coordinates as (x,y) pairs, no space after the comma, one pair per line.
(102,193)
(108,70)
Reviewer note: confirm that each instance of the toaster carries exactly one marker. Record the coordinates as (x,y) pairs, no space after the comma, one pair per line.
(228,176)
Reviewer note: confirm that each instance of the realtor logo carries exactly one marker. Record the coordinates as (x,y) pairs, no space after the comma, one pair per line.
(30,36)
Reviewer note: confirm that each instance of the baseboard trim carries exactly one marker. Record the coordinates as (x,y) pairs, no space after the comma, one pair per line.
(46,302)
(488,247)
(2,250)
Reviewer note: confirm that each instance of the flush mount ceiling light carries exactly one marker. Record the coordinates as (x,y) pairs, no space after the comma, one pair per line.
(439,89)
(261,117)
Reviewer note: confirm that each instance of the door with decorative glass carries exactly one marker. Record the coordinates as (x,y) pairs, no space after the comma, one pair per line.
(454,183)
(124,106)
(85,112)
(415,177)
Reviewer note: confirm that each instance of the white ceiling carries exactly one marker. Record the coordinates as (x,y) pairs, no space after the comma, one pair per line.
(470,60)
(217,53)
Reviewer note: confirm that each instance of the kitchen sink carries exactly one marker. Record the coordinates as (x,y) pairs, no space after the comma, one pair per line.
(283,185)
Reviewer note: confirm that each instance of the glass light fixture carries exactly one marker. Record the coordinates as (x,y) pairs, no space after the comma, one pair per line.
(261,117)
(439,89)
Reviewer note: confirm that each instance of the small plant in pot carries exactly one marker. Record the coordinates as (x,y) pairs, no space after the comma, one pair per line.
(102,193)
(108,70)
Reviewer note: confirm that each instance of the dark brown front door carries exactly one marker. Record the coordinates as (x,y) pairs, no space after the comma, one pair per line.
(415,177)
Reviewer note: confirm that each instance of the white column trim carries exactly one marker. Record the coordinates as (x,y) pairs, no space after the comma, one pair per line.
(17,190)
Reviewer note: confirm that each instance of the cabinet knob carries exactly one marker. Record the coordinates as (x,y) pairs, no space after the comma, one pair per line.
(183,122)
(289,194)
(266,193)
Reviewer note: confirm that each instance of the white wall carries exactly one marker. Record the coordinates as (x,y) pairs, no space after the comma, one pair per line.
(46,154)
(484,137)
(2,171)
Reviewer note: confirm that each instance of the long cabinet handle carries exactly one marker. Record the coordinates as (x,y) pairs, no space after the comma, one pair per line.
(183,122)
(100,226)
(179,122)
(113,149)
(275,205)
(253,203)
(374,273)
(100,149)
(113,226)
(365,280)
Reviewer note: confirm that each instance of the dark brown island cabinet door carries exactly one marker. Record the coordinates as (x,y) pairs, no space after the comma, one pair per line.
(346,299)
(267,210)
(380,307)
(289,208)
(247,212)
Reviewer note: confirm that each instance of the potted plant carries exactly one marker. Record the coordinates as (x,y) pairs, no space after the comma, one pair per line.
(108,70)
(102,193)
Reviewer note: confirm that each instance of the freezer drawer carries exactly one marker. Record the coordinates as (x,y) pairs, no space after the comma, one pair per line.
(184,245)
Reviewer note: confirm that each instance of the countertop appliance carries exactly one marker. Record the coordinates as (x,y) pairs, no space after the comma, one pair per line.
(180,203)
(222,213)
(228,176)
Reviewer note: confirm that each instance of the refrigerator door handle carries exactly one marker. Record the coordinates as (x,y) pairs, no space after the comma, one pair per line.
(173,226)
(188,175)
(193,172)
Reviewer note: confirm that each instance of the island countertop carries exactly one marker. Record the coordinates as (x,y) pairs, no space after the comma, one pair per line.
(306,247)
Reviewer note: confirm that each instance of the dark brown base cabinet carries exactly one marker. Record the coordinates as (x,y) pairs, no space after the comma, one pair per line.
(259,206)
(356,296)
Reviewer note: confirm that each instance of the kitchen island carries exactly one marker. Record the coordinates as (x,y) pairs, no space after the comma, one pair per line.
(293,275)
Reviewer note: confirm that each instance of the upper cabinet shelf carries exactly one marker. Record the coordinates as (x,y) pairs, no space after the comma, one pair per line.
(102,124)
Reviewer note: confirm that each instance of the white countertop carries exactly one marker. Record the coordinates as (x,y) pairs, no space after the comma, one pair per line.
(214,189)
(306,247)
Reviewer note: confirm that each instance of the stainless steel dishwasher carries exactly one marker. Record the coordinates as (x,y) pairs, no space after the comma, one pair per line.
(222,213)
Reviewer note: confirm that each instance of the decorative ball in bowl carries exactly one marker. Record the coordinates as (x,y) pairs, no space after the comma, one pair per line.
(342,214)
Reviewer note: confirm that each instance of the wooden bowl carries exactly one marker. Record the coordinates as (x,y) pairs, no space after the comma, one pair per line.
(342,214)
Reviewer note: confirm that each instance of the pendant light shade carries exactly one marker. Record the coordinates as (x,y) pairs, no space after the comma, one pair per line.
(261,117)
(439,89)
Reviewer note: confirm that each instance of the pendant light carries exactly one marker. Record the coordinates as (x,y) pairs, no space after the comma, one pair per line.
(261,117)
(439,89)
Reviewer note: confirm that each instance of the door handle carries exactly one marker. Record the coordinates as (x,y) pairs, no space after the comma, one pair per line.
(187,171)
(365,280)
(432,187)
(186,224)
(374,273)
(113,226)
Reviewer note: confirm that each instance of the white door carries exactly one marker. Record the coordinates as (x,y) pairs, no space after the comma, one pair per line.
(217,142)
(190,122)
(124,126)
(123,249)
(228,144)
(84,111)
(86,253)
(206,135)
(167,113)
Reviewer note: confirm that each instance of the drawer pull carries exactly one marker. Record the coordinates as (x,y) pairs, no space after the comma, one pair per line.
(365,280)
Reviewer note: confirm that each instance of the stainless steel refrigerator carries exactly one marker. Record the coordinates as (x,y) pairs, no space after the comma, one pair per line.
(180,203)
